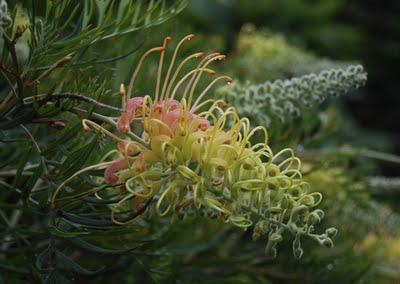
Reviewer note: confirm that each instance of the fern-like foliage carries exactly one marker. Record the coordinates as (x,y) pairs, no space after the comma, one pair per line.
(98,20)
(46,36)
(283,99)
(45,71)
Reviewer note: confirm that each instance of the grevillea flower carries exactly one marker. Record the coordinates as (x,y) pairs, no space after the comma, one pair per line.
(186,152)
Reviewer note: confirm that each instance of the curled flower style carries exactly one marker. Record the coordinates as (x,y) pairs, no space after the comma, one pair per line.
(184,152)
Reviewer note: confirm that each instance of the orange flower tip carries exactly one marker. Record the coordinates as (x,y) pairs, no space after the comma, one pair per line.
(86,128)
(161,49)
(168,39)
(53,205)
(203,127)
(200,55)
(122,90)
(190,37)
(212,73)
(221,57)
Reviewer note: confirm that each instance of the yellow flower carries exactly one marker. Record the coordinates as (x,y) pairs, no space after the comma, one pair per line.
(196,153)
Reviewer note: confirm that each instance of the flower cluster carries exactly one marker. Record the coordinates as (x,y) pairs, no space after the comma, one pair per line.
(180,152)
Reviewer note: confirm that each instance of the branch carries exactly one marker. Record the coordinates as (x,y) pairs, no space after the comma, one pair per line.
(56,97)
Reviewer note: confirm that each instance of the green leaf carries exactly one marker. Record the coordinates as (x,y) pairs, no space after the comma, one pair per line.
(24,159)
(14,268)
(77,159)
(59,233)
(96,249)
(32,180)
(66,263)
(62,262)
(56,277)
(86,222)
(23,117)
(102,6)
(67,134)
(94,200)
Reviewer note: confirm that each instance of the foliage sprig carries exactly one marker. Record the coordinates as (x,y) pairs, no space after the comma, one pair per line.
(283,99)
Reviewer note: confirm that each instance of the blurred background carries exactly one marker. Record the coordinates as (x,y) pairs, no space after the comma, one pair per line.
(367,32)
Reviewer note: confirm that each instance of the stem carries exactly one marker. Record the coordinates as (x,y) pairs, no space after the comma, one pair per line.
(58,189)
(3,70)
(56,97)
(42,159)
(110,121)
(255,212)
(20,84)
(14,219)
(11,173)
(56,65)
